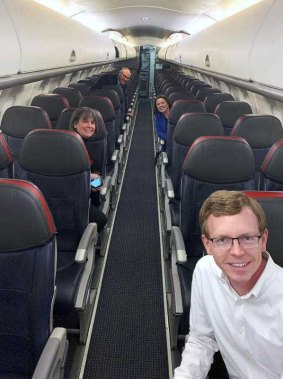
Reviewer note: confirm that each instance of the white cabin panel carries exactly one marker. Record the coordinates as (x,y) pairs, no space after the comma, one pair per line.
(10,49)
(49,40)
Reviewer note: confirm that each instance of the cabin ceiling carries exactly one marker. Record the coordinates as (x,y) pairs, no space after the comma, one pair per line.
(150,21)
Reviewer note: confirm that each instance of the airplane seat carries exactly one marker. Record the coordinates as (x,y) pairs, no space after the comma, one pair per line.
(180,95)
(213,99)
(191,82)
(117,88)
(271,176)
(52,103)
(63,175)
(29,346)
(73,95)
(203,92)
(17,122)
(212,163)
(172,89)
(196,87)
(272,204)
(114,98)
(6,159)
(230,111)
(105,107)
(84,88)
(261,132)
(177,110)
(64,118)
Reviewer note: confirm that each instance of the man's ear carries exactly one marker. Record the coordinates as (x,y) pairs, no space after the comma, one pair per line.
(207,244)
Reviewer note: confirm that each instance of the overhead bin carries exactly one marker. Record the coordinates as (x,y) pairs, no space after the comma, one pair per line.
(245,46)
(47,39)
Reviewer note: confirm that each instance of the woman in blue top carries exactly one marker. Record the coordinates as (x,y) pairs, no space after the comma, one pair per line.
(161,110)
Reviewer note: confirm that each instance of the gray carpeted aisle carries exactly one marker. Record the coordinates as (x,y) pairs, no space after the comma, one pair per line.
(128,339)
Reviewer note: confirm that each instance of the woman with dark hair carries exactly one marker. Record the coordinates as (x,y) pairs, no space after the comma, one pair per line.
(84,121)
(161,111)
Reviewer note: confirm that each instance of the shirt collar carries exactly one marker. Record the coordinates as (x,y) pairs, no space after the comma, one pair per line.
(269,268)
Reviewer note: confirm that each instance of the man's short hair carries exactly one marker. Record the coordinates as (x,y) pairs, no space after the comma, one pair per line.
(229,203)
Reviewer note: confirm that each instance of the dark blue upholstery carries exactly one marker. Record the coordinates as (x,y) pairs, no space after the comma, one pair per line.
(105,107)
(58,163)
(230,111)
(271,169)
(197,86)
(84,88)
(212,100)
(272,204)
(6,160)
(52,103)
(203,92)
(73,95)
(117,88)
(27,266)
(180,95)
(260,131)
(177,110)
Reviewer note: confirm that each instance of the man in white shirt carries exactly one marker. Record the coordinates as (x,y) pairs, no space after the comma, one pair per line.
(237,294)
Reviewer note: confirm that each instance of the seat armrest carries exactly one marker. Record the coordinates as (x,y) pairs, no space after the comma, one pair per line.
(106,185)
(52,360)
(89,237)
(115,156)
(120,139)
(114,175)
(178,245)
(168,186)
(163,158)
(124,127)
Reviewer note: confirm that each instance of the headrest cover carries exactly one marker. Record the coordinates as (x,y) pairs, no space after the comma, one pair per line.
(5,154)
(73,95)
(19,120)
(102,104)
(184,106)
(230,111)
(25,219)
(261,131)
(52,103)
(194,125)
(82,87)
(273,162)
(213,99)
(117,88)
(54,152)
(220,159)
(111,94)
(179,96)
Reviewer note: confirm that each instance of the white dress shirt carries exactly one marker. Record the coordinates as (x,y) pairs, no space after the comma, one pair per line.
(248,330)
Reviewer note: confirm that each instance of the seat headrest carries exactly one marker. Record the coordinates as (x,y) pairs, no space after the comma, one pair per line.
(111,94)
(179,96)
(25,219)
(184,106)
(230,111)
(52,103)
(220,159)
(117,88)
(213,99)
(194,125)
(54,152)
(273,162)
(102,104)
(82,87)
(73,95)
(261,131)
(5,154)
(19,120)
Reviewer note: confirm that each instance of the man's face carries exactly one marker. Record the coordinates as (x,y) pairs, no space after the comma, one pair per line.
(124,76)
(243,266)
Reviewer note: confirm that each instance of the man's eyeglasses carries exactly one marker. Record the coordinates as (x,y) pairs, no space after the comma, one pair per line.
(225,243)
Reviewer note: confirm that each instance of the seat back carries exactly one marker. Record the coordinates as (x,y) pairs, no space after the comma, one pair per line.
(188,129)
(84,88)
(27,266)
(73,95)
(197,86)
(211,164)
(18,121)
(180,95)
(212,100)
(117,88)
(6,159)
(271,176)
(261,132)
(272,204)
(203,92)
(230,111)
(177,110)
(105,107)
(52,103)
(58,163)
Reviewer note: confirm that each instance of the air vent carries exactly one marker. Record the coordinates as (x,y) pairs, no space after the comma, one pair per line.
(207,61)
(73,56)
